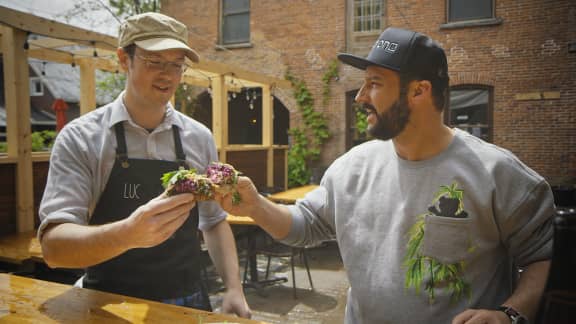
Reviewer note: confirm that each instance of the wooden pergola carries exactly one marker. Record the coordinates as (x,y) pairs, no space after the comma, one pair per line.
(62,43)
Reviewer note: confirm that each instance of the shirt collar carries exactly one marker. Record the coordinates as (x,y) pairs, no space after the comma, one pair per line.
(120,114)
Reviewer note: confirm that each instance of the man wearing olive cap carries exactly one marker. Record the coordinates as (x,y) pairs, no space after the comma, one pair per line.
(103,207)
(432,223)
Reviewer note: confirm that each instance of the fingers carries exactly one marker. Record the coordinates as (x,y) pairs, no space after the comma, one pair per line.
(168,216)
(463,317)
(164,203)
(174,224)
(480,316)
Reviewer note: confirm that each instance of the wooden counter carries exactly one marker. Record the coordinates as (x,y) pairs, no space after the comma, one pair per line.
(17,248)
(240,220)
(25,300)
(291,195)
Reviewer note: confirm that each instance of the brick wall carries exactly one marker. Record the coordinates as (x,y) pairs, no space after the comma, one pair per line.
(526,55)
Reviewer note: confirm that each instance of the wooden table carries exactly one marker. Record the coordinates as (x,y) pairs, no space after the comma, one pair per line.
(20,247)
(291,195)
(25,300)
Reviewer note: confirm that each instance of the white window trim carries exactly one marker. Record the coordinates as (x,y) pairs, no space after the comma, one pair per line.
(33,82)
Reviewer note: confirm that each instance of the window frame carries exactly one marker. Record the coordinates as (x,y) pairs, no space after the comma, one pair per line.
(229,44)
(380,17)
(489,111)
(448,20)
(34,81)
(490,21)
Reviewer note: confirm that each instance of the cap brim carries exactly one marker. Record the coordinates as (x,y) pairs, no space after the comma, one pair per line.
(360,62)
(161,44)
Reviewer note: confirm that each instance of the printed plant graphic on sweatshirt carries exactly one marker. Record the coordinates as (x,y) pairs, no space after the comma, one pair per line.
(420,269)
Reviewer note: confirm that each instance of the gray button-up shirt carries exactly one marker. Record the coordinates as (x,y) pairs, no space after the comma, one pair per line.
(85,150)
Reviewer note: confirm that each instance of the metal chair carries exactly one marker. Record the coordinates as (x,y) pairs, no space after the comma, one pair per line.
(276,249)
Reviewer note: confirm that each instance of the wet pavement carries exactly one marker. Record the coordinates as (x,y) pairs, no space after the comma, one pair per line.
(276,304)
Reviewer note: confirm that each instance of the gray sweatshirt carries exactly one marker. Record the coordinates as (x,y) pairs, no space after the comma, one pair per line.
(422,241)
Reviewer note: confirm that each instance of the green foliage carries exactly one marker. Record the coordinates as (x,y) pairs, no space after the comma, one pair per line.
(330,74)
(448,276)
(132,7)
(298,171)
(3,147)
(42,141)
(451,192)
(361,123)
(307,140)
(111,85)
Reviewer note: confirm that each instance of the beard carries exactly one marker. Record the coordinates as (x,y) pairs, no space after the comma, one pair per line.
(391,122)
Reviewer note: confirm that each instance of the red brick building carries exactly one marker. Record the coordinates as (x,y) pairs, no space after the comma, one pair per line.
(512,63)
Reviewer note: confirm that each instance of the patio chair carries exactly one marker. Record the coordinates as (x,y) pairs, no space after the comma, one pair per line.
(276,249)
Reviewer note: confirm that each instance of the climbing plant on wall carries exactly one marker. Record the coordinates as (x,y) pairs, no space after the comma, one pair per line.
(307,139)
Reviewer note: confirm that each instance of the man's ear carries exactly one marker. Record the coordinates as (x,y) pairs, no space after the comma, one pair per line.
(123,58)
(422,87)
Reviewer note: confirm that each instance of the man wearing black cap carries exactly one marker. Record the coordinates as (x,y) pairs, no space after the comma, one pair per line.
(432,223)
(103,207)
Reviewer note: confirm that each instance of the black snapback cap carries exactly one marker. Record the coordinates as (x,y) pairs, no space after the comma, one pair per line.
(404,51)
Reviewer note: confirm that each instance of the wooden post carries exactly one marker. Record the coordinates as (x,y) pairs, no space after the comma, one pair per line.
(268,132)
(220,115)
(17,94)
(87,85)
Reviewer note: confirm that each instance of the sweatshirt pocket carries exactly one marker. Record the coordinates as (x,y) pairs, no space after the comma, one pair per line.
(446,239)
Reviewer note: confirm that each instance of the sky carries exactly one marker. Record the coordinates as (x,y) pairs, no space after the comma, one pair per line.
(87,14)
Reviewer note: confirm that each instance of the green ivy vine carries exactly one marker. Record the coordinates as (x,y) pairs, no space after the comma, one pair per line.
(307,139)
(330,75)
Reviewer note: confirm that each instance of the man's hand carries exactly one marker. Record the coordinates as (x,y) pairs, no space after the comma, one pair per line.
(234,302)
(154,222)
(481,316)
(249,198)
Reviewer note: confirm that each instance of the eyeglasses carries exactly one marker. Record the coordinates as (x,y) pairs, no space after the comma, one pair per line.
(156,65)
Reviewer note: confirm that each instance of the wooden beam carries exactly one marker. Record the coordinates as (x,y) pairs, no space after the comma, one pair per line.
(106,64)
(268,133)
(48,43)
(201,82)
(17,94)
(51,55)
(220,115)
(245,76)
(87,85)
(46,27)
(89,52)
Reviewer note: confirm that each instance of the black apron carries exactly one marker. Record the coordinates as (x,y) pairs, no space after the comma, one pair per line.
(167,271)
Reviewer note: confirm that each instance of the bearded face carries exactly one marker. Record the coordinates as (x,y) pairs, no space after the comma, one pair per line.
(391,121)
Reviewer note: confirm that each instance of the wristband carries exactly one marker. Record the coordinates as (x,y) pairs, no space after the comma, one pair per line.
(514,315)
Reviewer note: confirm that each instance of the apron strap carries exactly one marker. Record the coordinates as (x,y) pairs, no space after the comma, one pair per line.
(121,148)
(180,156)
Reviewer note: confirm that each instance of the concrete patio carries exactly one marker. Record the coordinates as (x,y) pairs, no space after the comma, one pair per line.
(276,304)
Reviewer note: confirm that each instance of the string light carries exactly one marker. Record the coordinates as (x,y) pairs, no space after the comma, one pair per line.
(95,54)
(26,45)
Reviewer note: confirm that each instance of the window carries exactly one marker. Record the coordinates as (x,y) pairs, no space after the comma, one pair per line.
(471,110)
(367,15)
(36,86)
(235,21)
(464,10)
